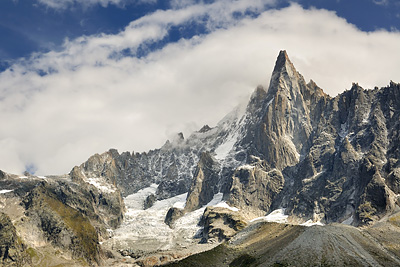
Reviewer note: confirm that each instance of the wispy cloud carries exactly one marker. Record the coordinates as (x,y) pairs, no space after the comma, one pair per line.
(64,4)
(96,93)
(381,2)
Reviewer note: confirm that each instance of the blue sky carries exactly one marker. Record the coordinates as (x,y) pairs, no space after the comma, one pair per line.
(29,26)
(78,77)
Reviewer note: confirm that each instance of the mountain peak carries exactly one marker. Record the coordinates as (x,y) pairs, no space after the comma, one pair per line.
(281,60)
(283,63)
(285,76)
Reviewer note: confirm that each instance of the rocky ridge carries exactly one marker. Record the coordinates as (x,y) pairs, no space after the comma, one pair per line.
(47,221)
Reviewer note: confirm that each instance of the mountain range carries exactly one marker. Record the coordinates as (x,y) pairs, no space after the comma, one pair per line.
(292,155)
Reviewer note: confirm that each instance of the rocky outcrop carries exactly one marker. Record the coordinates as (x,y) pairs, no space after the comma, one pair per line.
(149,201)
(56,214)
(12,249)
(283,115)
(393,180)
(2,174)
(204,186)
(343,173)
(169,188)
(254,188)
(172,215)
(105,208)
(205,183)
(63,226)
(221,224)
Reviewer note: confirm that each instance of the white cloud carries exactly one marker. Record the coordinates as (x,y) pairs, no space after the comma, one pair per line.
(64,4)
(94,98)
(381,2)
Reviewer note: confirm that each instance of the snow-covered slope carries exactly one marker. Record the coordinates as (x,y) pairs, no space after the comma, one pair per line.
(144,229)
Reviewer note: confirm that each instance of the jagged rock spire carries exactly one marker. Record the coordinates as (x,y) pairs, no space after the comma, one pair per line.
(285,77)
(286,124)
(282,62)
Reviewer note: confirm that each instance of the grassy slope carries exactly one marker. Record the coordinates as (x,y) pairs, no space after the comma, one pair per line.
(80,226)
(272,244)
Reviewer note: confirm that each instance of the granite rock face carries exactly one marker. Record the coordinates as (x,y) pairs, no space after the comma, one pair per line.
(254,188)
(205,183)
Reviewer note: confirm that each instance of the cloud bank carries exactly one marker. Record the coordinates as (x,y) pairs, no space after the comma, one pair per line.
(132,90)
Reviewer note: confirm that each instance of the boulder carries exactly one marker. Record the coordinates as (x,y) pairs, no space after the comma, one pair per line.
(220,224)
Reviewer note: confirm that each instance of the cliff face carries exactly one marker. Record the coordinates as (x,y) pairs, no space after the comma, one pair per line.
(344,170)
(205,183)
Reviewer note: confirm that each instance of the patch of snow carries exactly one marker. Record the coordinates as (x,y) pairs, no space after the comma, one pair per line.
(219,203)
(311,223)
(101,185)
(4,191)
(277,216)
(23,177)
(180,205)
(360,155)
(289,141)
(351,136)
(349,220)
(307,180)
(223,150)
(223,204)
(246,167)
(135,201)
(366,117)
(269,102)
(41,177)
(216,199)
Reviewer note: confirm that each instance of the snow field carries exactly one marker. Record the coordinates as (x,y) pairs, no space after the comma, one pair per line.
(145,229)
